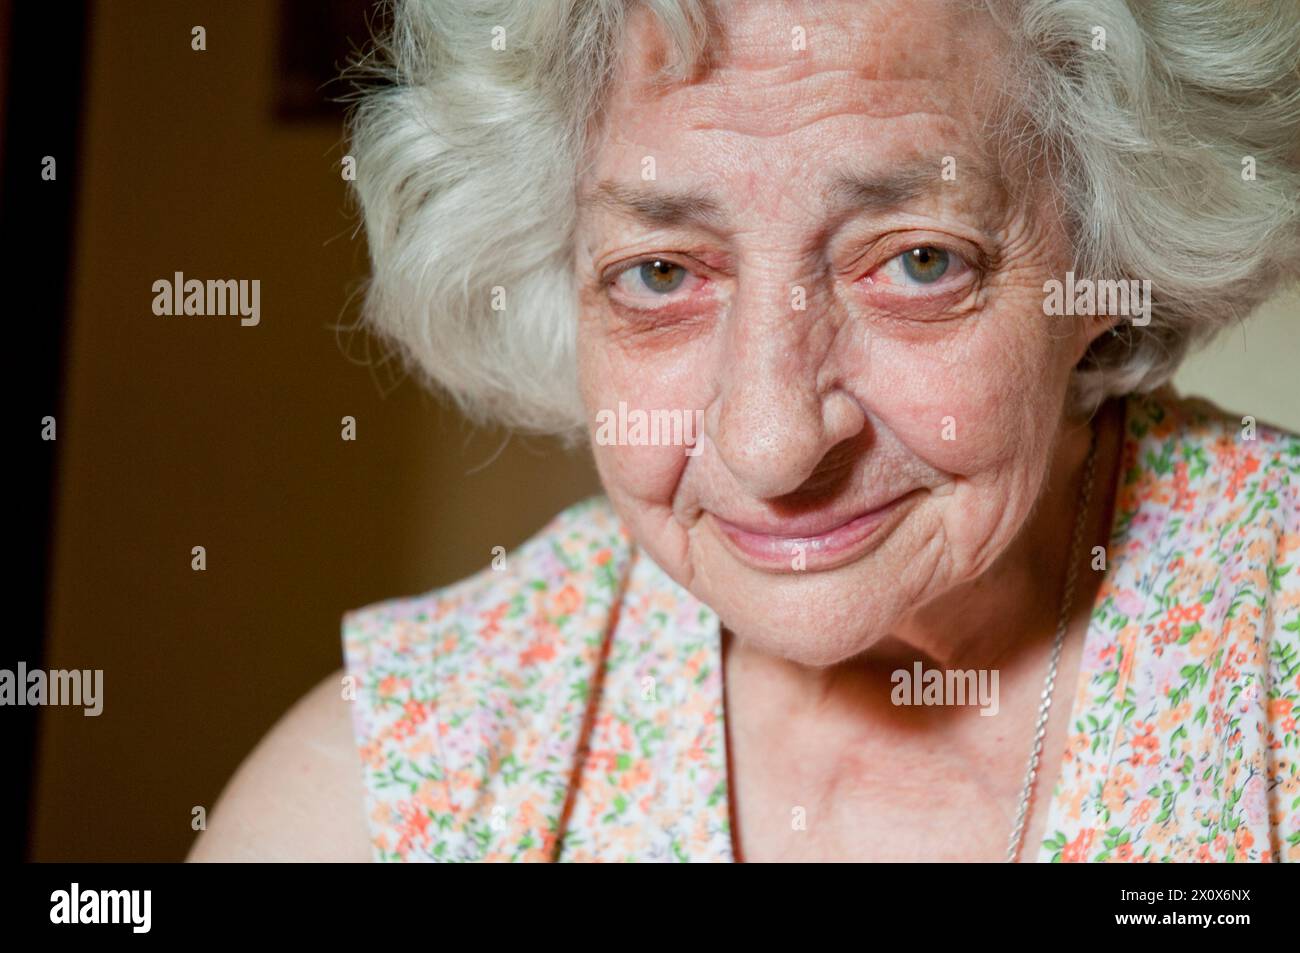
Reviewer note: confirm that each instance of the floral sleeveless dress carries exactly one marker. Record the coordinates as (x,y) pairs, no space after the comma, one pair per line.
(569,706)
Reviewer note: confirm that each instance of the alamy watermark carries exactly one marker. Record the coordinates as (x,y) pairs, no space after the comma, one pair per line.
(130,907)
(214,296)
(922,686)
(1086,296)
(649,428)
(81,687)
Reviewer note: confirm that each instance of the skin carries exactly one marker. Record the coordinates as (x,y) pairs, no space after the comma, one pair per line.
(813,416)
(299,795)
(810,417)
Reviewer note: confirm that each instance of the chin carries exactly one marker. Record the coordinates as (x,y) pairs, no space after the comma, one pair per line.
(811,620)
(814,618)
(810,647)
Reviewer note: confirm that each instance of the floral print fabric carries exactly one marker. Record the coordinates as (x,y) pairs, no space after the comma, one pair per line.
(1183,736)
(569,706)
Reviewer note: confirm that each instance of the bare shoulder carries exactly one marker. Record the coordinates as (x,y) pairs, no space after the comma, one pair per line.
(299,794)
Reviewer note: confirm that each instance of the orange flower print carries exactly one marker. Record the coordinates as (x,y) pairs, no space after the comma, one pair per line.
(1202,644)
(1245,840)
(543,650)
(372,754)
(1116,792)
(1145,744)
(1184,497)
(1239,474)
(491,621)
(416,711)
(1076,851)
(567,601)
(414,826)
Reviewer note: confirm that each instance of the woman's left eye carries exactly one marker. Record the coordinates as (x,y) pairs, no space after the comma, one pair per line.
(919,267)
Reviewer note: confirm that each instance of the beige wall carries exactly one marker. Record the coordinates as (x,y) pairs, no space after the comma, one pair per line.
(1253,368)
(194,431)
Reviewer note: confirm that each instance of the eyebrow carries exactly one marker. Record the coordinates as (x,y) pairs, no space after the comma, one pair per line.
(655,207)
(882,191)
(861,192)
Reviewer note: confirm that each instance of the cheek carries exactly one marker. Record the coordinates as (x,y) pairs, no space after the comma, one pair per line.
(618,383)
(983,411)
(978,405)
(646,476)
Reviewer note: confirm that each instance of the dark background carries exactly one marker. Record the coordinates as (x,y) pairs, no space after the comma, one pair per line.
(175,432)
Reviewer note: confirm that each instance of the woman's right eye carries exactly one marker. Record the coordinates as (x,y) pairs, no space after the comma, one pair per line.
(654,279)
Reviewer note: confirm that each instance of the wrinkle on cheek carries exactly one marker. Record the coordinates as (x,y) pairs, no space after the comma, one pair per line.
(693,569)
(996,468)
(981,552)
(989,509)
(928,579)
(671,544)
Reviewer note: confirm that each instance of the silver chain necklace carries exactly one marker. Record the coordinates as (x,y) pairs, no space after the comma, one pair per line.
(1067,602)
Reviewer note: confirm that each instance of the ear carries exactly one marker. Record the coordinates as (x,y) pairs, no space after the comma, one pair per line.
(1091,330)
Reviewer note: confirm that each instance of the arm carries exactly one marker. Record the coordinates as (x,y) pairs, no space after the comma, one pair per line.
(299,795)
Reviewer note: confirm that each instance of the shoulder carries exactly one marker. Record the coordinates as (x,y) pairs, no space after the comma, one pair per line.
(470,698)
(572,564)
(298,795)
(1197,430)
(1199,471)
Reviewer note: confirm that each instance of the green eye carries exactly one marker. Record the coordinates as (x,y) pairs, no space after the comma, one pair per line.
(661,276)
(925,264)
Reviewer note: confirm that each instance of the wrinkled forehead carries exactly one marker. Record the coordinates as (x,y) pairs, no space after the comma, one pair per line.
(786,88)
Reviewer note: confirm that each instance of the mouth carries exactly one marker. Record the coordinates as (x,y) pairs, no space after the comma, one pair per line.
(812,543)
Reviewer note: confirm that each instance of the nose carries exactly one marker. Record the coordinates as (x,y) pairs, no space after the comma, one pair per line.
(775,419)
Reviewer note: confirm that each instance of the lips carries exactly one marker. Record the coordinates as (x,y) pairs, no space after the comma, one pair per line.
(817,541)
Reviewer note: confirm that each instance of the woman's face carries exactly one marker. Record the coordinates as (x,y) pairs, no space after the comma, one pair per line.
(811,248)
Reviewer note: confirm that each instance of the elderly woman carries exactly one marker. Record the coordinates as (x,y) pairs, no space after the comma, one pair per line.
(866,311)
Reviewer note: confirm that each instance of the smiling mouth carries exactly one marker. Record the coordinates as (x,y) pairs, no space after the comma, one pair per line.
(806,546)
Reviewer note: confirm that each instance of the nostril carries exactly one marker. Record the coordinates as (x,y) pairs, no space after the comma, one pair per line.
(832,473)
